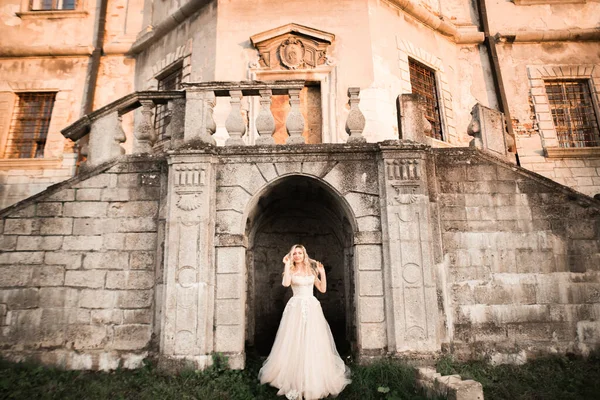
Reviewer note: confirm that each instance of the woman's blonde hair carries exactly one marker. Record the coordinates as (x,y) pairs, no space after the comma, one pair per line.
(312,264)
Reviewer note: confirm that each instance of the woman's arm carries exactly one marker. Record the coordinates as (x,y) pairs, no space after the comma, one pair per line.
(287,275)
(321,282)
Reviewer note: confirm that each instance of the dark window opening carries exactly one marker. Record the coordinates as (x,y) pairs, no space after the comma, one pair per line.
(422,80)
(171,80)
(29,125)
(573,113)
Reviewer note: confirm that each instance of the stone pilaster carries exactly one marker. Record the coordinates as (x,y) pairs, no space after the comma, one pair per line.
(409,277)
(187,330)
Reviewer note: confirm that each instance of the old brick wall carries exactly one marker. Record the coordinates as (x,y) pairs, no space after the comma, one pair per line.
(524,259)
(77,269)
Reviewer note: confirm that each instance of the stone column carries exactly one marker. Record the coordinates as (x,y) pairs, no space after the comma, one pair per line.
(145,136)
(355,124)
(409,277)
(265,123)
(106,136)
(199,123)
(235,124)
(187,317)
(176,128)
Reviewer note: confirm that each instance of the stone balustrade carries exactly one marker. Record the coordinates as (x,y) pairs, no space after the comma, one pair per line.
(188,116)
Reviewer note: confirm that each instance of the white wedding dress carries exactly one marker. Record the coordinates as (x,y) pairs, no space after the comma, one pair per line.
(304,361)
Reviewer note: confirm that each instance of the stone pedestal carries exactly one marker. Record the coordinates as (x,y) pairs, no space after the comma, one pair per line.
(188,303)
(409,281)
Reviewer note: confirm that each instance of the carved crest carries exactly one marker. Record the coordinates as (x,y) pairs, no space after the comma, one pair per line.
(292,47)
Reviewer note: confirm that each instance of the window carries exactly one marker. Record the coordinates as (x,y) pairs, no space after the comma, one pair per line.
(171,80)
(422,81)
(29,125)
(573,112)
(50,5)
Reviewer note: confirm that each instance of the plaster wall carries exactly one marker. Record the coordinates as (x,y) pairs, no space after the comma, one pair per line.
(532,127)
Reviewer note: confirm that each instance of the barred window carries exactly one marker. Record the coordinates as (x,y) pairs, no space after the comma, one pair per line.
(422,80)
(49,5)
(573,112)
(169,81)
(29,125)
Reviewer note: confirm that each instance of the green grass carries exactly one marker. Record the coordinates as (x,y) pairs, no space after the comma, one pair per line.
(548,378)
(385,379)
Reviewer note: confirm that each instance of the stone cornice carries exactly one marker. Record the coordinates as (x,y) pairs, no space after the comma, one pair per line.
(45,51)
(557,35)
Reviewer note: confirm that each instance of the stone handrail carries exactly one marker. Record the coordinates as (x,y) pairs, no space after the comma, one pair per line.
(189,116)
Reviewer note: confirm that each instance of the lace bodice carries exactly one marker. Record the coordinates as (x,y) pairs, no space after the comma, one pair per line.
(303,285)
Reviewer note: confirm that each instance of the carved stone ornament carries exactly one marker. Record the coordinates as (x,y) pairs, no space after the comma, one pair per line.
(292,47)
(189,180)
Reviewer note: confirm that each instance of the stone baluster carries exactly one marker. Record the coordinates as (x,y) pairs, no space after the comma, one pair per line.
(295,121)
(106,136)
(265,123)
(235,125)
(175,129)
(209,119)
(355,124)
(145,136)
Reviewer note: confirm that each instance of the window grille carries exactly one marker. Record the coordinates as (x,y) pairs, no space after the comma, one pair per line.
(170,81)
(422,80)
(29,125)
(573,113)
(49,5)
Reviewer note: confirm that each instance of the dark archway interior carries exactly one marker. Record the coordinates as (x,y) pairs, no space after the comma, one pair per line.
(298,209)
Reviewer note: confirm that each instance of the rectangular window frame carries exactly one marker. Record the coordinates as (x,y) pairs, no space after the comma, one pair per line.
(20,124)
(577,140)
(52,5)
(161,111)
(439,133)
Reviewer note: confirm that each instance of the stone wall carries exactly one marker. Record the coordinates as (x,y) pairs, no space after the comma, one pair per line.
(77,269)
(523,259)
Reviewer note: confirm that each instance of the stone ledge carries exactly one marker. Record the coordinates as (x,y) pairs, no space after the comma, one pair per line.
(572,152)
(452,386)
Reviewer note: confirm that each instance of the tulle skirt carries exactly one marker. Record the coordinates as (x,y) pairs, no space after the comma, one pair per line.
(304,361)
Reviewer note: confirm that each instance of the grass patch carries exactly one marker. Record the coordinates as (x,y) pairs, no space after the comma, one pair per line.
(384,379)
(548,378)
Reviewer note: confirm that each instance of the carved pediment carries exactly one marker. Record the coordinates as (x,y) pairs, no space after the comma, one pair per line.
(292,46)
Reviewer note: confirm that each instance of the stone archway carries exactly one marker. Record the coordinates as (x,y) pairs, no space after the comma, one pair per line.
(298,209)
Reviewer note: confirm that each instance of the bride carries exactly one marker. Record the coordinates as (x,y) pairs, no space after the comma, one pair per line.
(304,362)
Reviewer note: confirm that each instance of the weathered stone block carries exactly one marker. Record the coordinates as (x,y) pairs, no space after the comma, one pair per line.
(369,257)
(68,259)
(16,276)
(132,337)
(18,226)
(20,298)
(22,257)
(87,337)
(113,241)
(128,180)
(62,195)
(141,316)
(82,242)
(49,209)
(88,226)
(229,312)
(86,279)
(56,226)
(129,280)
(97,298)
(230,259)
(373,336)
(371,309)
(25,212)
(146,224)
(133,209)
(230,286)
(88,194)
(89,209)
(107,316)
(49,275)
(141,260)
(61,297)
(529,261)
(8,243)
(39,243)
(229,338)
(140,241)
(97,181)
(370,283)
(106,260)
(134,298)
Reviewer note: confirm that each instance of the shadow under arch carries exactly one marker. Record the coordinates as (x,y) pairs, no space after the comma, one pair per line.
(306,210)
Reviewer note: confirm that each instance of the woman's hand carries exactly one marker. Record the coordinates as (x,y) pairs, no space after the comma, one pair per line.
(321,283)
(286,259)
(320,268)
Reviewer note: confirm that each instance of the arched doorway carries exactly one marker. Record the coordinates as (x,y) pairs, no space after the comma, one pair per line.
(299,209)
